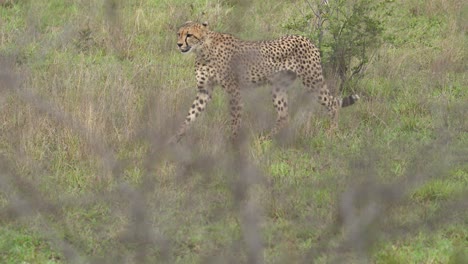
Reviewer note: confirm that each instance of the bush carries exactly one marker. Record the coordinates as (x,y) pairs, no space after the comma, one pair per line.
(346,32)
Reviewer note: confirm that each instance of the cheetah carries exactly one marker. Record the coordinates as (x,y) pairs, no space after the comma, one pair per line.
(222,59)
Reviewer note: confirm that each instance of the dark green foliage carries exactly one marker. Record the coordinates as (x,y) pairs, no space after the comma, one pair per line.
(347,33)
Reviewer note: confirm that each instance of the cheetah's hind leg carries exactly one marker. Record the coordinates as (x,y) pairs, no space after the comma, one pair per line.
(280,84)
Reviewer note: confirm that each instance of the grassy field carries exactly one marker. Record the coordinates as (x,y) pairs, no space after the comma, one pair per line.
(90,91)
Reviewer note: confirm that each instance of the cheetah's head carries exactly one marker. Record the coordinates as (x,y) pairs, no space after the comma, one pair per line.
(191,35)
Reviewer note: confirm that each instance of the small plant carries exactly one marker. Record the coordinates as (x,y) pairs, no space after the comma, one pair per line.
(346,32)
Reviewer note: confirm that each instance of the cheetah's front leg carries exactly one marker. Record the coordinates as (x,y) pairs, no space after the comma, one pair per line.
(280,101)
(235,111)
(198,106)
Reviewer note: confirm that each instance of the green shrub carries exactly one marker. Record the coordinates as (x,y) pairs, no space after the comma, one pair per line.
(346,32)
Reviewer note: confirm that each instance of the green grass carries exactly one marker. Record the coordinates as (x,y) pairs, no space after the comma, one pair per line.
(84,176)
(19,245)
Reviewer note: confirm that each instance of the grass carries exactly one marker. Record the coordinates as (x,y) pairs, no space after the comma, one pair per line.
(88,95)
(19,245)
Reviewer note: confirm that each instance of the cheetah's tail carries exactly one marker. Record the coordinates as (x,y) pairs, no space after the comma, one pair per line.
(350,100)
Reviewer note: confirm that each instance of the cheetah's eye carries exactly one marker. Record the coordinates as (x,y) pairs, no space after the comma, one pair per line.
(189,35)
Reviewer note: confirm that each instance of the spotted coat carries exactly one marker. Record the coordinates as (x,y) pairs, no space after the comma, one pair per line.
(222,59)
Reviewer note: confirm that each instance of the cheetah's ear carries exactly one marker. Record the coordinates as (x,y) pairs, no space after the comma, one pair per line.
(186,23)
(205,24)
